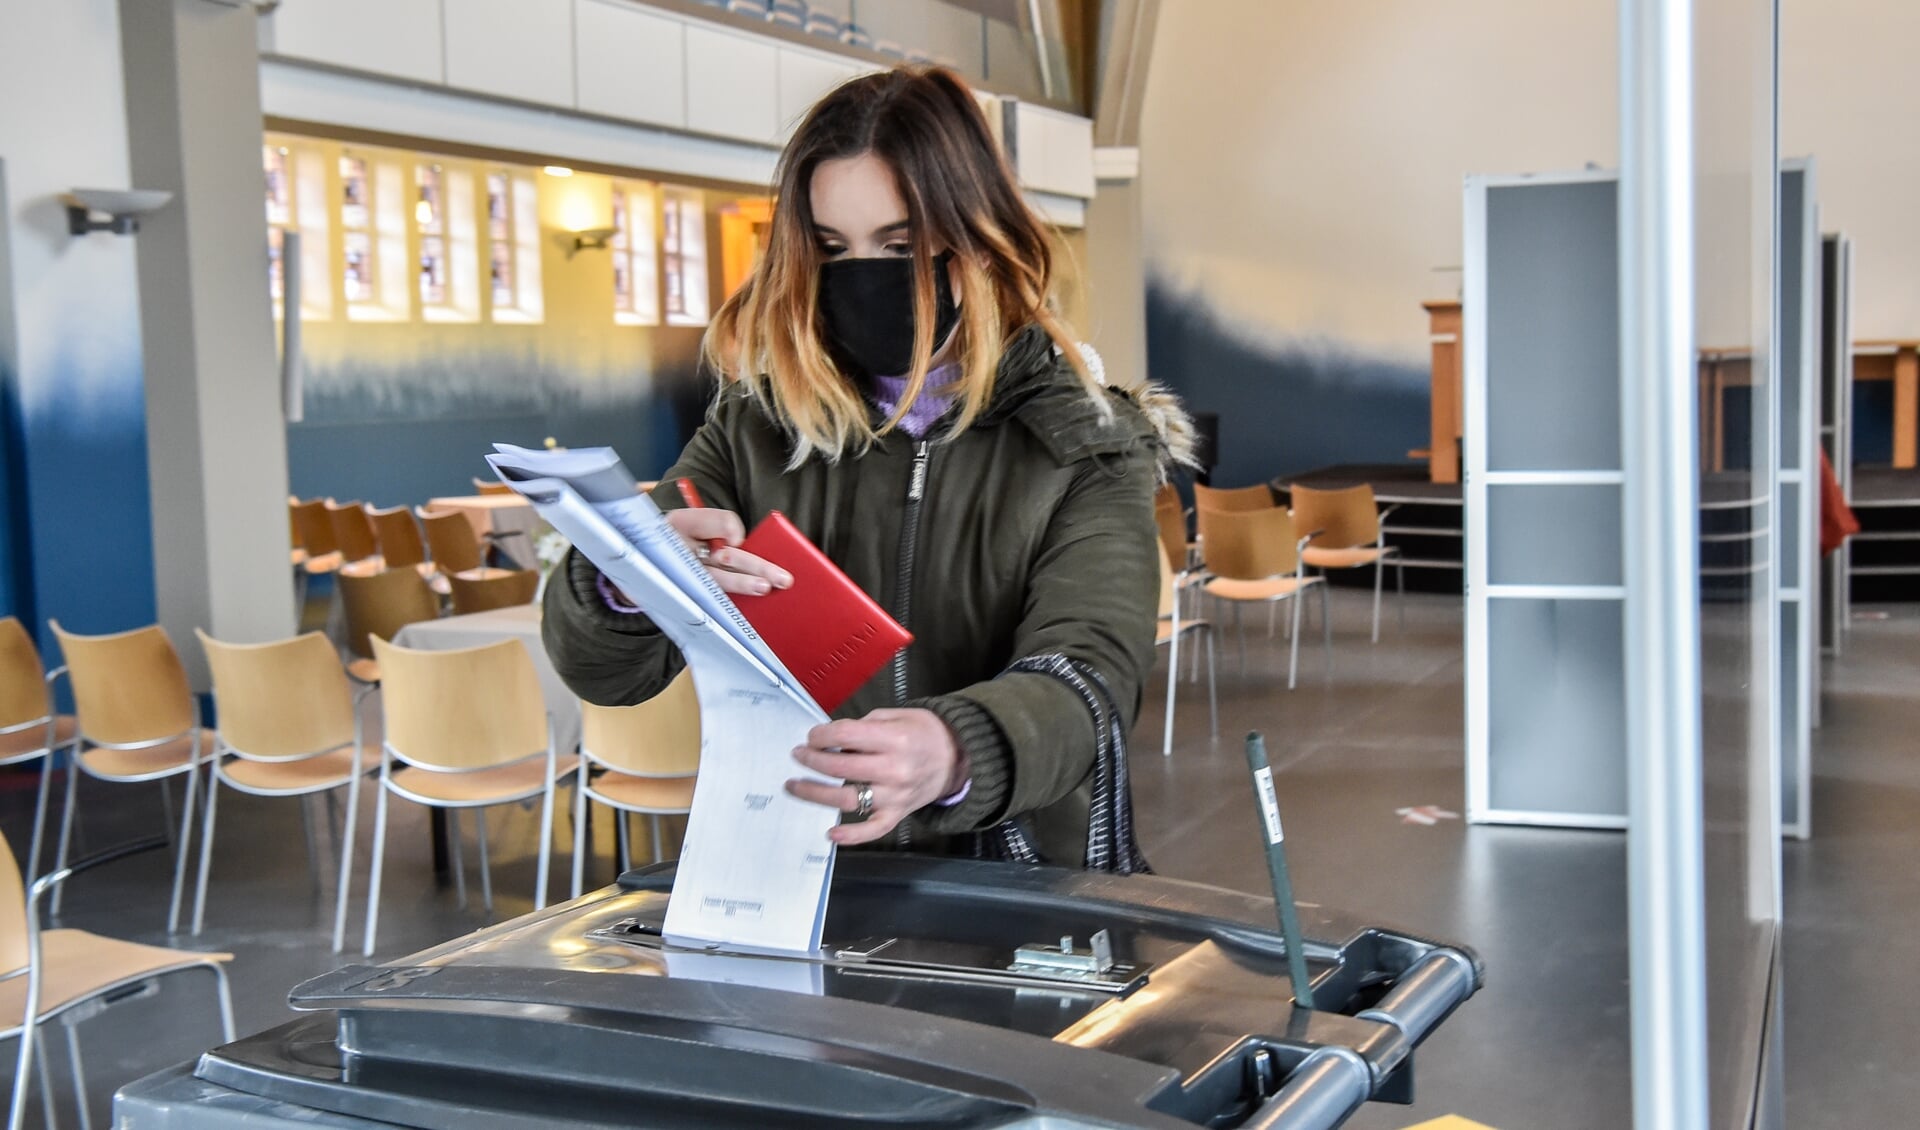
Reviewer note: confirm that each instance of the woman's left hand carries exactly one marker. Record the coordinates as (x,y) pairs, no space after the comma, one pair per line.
(908,757)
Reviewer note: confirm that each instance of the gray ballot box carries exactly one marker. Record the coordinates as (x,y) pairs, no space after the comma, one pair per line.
(948,993)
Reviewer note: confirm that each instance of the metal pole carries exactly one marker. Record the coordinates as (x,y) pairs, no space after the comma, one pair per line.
(1665,903)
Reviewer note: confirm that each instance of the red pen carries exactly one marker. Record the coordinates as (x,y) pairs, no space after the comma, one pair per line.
(690,495)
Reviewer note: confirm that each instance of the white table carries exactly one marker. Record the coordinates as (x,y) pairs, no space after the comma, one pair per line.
(501,515)
(521,622)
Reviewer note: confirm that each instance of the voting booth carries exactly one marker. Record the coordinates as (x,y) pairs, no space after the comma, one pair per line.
(947,992)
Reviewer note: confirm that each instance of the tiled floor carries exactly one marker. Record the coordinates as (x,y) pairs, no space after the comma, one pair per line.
(1545,1045)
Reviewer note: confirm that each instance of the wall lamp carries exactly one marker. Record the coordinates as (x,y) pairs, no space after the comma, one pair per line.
(591,239)
(122,207)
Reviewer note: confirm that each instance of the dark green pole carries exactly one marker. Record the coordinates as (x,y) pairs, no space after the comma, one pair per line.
(1269,805)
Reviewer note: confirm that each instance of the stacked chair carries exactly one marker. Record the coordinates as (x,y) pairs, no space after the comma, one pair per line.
(289,727)
(30,730)
(136,721)
(647,757)
(1253,556)
(1345,531)
(465,729)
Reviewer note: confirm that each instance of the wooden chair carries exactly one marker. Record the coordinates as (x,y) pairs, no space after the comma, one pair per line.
(1254,557)
(29,728)
(451,539)
(290,726)
(50,974)
(484,590)
(401,546)
(377,605)
(1171,630)
(490,486)
(136,721)
(320,553)
(353,533)
(650,754)
(1259,497)
(297,553)
(1345,531)
(468,729)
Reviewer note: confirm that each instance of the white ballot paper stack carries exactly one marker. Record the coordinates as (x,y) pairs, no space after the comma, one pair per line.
(754,868)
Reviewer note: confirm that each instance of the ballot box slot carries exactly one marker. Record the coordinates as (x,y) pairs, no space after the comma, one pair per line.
(1061,966)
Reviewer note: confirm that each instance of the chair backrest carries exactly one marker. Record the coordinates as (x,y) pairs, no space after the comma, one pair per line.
(14,953)
(128,688)
(473,593)
(450,537)
(316,527)
(491,486)
(657,738)
(283,699)
(1173,531)
(380,604)
(293,522)
(1258,497)
(23,680)
(468,709)
(352,532)
(1249,545)
(398,536)
(1345,518)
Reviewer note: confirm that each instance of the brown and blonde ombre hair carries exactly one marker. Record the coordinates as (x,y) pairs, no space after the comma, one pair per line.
(925,124)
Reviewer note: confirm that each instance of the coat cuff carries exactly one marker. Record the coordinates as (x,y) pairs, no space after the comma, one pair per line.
(583,599)
(983,800)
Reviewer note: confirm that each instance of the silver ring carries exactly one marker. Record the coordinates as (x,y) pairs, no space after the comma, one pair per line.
(701,553)
(862,799)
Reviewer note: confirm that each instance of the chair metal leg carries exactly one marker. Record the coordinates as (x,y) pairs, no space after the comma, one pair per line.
(1272,608)
(225,992)
(186,839)
(1379,575)
(1213,695)
(206,855)
(623,833)
(66,825)
(579,834)
(1173,680)
(345,882)
(1326,627)
(546,846)
(40,818)
(486,865)
(1400,580)
(1293,662)
(373,873)
(659,848)
(312,838)
(46,1078)
(458,852)
(79,1075)
(166,815)
(1239,629)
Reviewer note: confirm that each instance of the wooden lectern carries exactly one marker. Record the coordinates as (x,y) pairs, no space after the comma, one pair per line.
(1444,411)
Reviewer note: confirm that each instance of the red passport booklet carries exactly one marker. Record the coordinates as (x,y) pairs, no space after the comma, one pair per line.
(831,635)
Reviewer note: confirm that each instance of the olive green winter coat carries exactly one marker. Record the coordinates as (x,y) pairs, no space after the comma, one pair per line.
(1034,535)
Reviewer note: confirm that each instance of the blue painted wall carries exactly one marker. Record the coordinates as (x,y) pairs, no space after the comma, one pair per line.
(1284,405)
(73,460)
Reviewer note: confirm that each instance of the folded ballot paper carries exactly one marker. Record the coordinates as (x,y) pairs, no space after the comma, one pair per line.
(754,869)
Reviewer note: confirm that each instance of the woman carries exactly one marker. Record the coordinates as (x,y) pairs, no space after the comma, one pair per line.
(895,382)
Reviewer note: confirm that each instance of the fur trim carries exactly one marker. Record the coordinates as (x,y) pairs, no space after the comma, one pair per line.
(1161,408)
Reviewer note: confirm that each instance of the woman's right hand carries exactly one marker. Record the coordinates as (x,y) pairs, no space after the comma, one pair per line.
(736,570)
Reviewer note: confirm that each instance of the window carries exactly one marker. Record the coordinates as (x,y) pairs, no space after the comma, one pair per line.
(357,263)
(448,268)
(513,248)
(296,203)
(683,258)
(636,259)
(374,215)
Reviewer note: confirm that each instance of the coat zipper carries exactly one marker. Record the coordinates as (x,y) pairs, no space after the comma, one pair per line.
(903,593)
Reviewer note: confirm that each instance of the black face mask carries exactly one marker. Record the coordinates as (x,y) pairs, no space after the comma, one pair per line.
(866,309)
